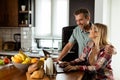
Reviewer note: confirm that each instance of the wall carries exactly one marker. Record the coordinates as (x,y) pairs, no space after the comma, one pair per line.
(76,4)
(115,31)
(102,12)
(107,12)
(7,34)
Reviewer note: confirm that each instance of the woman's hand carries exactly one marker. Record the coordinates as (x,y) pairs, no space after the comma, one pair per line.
(64,64)
(71,68)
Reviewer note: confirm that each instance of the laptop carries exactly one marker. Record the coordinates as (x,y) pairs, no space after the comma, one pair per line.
(58,68)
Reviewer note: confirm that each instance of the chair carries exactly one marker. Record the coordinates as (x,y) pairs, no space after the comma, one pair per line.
(66,33)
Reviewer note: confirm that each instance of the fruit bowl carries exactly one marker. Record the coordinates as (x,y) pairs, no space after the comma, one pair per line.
(21,67)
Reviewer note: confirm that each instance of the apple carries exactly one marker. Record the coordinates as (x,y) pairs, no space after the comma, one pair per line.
(1,62)
(6,60)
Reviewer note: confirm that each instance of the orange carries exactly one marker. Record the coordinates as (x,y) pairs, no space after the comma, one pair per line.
(42,59)
(34,60)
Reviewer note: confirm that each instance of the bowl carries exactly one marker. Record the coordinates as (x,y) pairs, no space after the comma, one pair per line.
(21,67)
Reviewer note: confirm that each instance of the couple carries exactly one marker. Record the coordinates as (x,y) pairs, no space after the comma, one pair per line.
(96,55)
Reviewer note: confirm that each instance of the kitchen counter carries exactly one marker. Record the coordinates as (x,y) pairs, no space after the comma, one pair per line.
(11,53)
(30,54)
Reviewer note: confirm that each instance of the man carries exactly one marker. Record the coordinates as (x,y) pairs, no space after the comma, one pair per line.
(80,33)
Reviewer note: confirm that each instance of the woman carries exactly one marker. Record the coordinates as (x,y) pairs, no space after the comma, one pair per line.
(97,54)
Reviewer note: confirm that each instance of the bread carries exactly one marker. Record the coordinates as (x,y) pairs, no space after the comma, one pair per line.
(33,68)
(36,70)
(37,74)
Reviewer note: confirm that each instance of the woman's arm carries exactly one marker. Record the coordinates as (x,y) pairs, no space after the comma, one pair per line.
(103,60)
(84,54)
(100,63)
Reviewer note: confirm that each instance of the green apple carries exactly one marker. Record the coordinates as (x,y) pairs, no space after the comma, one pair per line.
(1,62)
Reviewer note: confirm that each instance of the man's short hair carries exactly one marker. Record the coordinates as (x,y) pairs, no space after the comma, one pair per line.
(82,10)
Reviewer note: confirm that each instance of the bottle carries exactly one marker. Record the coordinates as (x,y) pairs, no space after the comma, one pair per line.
(48,66)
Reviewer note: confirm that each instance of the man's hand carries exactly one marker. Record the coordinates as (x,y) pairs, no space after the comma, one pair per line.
(56,60)
(110,49)
(71,68)
(64,64)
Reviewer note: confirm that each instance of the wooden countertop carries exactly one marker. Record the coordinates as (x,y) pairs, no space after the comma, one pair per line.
(9,72)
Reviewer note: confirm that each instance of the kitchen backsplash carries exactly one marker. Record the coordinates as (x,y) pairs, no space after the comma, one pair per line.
(7,34)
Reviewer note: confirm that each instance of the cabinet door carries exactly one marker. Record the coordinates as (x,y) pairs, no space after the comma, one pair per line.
(9,13)
(2,13)
(12,13)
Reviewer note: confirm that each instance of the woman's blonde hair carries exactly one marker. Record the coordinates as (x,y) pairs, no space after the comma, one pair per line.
(101,40)
(101,29)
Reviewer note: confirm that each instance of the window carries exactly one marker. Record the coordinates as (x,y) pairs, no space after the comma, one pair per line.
(50,17)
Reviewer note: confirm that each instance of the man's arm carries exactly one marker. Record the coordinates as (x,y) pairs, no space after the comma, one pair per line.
(65,50)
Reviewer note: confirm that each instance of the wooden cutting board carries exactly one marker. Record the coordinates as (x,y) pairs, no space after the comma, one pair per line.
(44,78)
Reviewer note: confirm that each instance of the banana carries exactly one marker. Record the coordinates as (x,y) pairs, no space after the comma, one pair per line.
(13,59)
(18,57)
(21,52)
(22,56)
(27,61)
(16,60)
